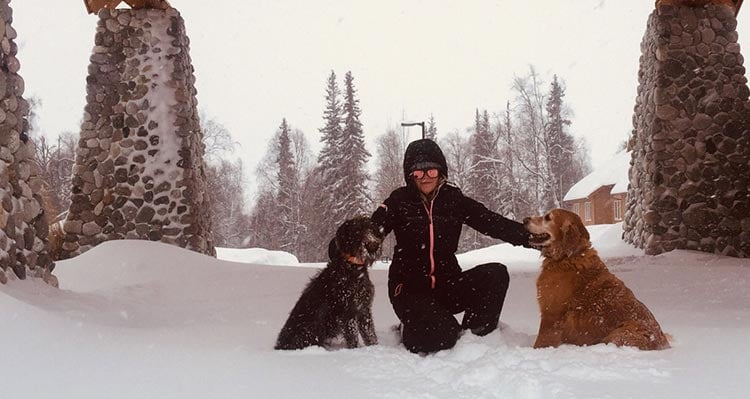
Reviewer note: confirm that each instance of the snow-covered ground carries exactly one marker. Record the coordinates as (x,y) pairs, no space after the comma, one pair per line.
(136,319)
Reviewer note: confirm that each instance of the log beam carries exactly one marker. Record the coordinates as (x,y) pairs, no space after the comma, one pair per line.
(93,6)
(733,4)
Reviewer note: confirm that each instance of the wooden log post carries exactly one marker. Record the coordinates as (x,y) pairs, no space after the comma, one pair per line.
(732,4)
(93,6)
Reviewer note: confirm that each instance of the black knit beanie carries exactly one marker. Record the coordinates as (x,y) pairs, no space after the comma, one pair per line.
(424,154)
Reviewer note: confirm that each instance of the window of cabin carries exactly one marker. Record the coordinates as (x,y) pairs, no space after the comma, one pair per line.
(587,209)
(618,209)
(577,208)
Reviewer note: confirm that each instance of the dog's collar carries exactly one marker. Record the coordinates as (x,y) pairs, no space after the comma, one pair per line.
(353,260)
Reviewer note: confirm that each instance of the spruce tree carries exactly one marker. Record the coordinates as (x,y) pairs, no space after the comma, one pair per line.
(560,145)
(512,193)
(484,156)
(328,168)
(484,185)
(331,132)
(354,196)
(263,223)
(288,191)
(431,131)
(230,224)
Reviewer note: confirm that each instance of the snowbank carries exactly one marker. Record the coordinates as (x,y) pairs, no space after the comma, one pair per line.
(138,319)
(259,256)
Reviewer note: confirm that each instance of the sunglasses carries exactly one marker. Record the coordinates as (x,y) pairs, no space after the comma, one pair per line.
(431,173)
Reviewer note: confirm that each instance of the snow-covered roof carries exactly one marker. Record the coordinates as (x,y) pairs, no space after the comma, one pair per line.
(614,172)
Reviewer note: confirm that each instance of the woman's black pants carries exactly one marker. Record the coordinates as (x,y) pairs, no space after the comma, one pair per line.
(427,314)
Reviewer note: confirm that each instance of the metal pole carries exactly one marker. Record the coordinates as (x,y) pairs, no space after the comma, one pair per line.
(414,124)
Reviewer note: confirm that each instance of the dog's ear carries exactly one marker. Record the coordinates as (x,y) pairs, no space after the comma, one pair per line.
(333,250)
(575,237)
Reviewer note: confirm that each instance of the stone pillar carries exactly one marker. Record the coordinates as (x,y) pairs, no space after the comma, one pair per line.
(139,171)
(24,250)
(690,172)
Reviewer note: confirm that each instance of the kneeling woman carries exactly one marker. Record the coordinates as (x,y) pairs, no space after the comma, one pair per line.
(425,283)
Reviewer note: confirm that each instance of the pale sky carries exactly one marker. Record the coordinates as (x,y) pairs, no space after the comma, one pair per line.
(257,62)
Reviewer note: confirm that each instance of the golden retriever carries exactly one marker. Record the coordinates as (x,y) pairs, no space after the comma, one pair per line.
(581,302)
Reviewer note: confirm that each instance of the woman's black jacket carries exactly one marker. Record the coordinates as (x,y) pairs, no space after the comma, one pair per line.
(427,232)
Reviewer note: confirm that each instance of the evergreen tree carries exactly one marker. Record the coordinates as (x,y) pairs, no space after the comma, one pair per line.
(308,210)
(564,163)
(313,245)
(263,222)
(512,200)
(431,131)
(547,159)
(224,185)
(333,187)
(341,163)
(354,198)
(458,149)
(560,145)
(284,214)
(331,132)
(484,157)
(483,182)
(288,193)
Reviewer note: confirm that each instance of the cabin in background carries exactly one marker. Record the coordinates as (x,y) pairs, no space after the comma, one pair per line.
(600,197)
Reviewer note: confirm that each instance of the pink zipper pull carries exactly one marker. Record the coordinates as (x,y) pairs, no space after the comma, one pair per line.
(432,243)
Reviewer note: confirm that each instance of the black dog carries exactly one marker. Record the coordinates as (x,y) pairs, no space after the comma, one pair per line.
(338,300)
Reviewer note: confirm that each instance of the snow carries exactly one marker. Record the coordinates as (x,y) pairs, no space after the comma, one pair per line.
(162,166)
(260,256)
(613,172)
(138,319)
